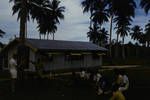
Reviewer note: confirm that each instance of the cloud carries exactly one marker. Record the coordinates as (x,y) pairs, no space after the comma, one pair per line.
(74,27)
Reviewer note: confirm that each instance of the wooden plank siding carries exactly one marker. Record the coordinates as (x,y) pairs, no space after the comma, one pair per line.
(59,62)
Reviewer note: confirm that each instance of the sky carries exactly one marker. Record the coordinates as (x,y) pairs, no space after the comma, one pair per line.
(74,27)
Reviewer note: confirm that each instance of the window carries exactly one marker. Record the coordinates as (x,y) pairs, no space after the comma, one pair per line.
(74,56)
(95,56)
(50,57)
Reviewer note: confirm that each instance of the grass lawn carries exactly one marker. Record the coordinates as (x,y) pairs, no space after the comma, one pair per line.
(64,88)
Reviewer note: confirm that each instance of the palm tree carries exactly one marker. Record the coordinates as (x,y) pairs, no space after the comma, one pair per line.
(24,9)
(124,12)
(122,26)
(97,35)
(1,33)
(100,14)
(93,34)
(142,39)
(136,33)
(57,14)
(47,24)
(147,33)
(97,9)
(112,8)
(145,4)
(47,13)
(103,37)
(115,8)
(89,6)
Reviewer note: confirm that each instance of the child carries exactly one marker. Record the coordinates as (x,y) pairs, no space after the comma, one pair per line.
(125,82)
(116,94)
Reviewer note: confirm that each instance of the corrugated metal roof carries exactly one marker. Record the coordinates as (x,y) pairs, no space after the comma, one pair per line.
(64,45)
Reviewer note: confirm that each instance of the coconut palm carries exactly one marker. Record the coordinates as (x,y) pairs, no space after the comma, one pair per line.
(89,6)
(48,24)
(136,33)
(103,37)
(100,14)
(143,39)
(93,34)
(115,8)
(122,26)
(24,8)
(147,33)
(97,9)
(145,4)
(97,35)
(57,14)
(1,33)
(44,11)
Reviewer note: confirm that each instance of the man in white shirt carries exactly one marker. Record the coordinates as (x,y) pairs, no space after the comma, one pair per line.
(13,71)
(82,74)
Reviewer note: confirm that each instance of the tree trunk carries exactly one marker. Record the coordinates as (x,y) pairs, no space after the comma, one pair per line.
(23,21)
(40,36)
(117,38)
(44,36)
(47,36)
(116,49)
(123,49)
(22,28)
(148,42)
(110,45)
(53,36)
(26,30)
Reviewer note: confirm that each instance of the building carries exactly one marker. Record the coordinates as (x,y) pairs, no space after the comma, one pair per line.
(54,54)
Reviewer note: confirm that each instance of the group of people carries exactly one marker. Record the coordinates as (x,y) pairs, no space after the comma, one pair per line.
(118,87)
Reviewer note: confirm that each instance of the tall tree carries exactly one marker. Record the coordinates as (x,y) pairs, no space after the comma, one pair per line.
(93,34)
(147,33)
(115,8)
(143,39)
(103,37)
(89,6)
(47,24)
(41,10)
(24,9)
(125,11)
(122,26)
(136,33)
(1,33)
(97,35)
(98,15)
(145,4)
(57,14)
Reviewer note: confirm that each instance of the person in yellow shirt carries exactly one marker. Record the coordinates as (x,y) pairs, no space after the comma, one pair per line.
(116,94)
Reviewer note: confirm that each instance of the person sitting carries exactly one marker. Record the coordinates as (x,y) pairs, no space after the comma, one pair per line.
(82,74)
(103,86)
(116,94)
(125,82)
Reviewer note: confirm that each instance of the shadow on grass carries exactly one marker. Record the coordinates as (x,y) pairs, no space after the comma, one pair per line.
(68,88)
